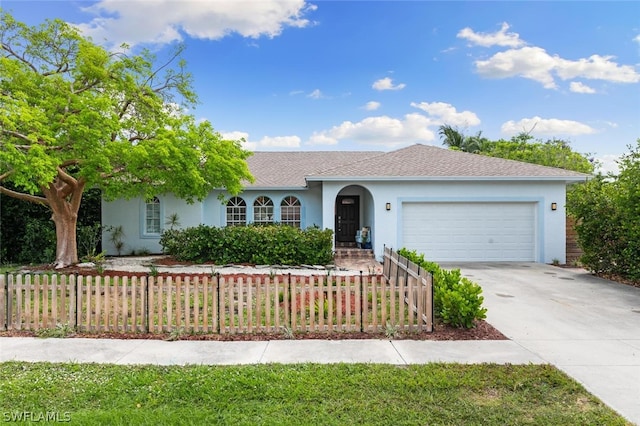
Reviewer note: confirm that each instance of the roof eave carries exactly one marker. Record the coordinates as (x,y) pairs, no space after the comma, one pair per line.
(275,188)
(447,178)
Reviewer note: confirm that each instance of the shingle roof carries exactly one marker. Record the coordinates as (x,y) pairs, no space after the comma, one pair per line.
(293,169)
(288,169)
(425,161)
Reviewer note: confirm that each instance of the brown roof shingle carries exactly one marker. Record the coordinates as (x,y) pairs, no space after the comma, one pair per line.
(293,169)
(288,169)
(426,161)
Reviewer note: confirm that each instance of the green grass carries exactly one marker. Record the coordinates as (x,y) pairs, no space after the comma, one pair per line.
(8,267)
(301,394)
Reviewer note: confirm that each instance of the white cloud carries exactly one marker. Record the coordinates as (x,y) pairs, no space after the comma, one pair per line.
(546,126)
(165,21)
(280,142)
(529,62)
(596,67)
(387,84)
(443,113)
(265,142)
(316,94)
(239,135)
(372,105)
(579,87)
(499,38)
(608,164)
(637,39)
(536,64)
(381,130)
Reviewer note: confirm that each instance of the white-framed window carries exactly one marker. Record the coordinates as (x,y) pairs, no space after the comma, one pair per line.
(290,209)
(263,210)
(236,212)
(152,223)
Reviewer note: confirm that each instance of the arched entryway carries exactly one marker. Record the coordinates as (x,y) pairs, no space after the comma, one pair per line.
(353,211)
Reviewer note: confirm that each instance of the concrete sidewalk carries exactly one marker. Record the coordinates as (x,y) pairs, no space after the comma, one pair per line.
(398,352)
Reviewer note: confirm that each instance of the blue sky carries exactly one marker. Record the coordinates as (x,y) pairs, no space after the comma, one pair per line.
(374,75)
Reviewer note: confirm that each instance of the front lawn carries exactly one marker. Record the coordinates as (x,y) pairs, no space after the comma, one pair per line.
(298,394)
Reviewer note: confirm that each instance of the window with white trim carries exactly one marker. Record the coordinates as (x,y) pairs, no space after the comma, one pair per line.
(236,212)
(152,216)
(290,209)
(263,210)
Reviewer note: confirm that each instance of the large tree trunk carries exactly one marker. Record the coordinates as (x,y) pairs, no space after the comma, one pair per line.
(66,245)
(63,196)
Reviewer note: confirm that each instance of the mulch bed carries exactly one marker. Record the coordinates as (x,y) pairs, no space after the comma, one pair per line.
(482,331)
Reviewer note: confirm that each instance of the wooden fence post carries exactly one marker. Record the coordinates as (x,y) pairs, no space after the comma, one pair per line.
(73,306)
(362,302)
(218,311)
(146,304)
(4,302)
(289,311)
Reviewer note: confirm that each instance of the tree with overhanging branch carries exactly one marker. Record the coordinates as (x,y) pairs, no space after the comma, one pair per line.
(75,116)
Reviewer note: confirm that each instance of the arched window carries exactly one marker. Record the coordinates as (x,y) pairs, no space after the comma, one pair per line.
(152,216)
(263,210)
(290,211)
(236,212)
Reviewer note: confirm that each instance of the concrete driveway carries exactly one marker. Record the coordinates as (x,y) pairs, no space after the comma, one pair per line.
(586,326)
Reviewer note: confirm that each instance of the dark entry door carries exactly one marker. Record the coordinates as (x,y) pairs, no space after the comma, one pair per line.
(347,218)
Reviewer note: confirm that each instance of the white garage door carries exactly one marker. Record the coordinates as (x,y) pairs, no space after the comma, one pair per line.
(470,231)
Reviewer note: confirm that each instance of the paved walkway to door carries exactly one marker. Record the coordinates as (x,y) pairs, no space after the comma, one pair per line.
(586,326)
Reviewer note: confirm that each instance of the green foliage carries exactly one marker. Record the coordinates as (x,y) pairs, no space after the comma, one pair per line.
(551,153)
(461,303)
(455,139)
(607,210)
(253,244)
(60,331)
(38,242)
(76,116)
(391,331)
(97,258)
(153,271)
(456,299)
(89,237)
(116,236)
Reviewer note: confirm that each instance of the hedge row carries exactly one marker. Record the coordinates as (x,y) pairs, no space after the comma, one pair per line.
(607,213)
(456,299)
(253,244)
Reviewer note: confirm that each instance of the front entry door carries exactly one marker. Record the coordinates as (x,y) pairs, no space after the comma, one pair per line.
(347,218)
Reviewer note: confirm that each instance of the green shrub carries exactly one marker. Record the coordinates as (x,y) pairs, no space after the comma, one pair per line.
(253,244)
(456,300)
(607,212)
(461,304)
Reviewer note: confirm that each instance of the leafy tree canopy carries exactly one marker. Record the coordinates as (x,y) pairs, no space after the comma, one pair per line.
(552,153)
(522,147)
(75,115)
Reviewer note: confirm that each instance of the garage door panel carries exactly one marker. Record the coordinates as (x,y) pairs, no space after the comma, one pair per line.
(471,231)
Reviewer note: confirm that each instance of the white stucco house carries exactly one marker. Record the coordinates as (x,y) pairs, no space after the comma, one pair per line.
(450,205)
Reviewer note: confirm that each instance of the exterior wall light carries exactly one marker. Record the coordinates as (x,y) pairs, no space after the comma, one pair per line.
(388,206)
(554,206)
